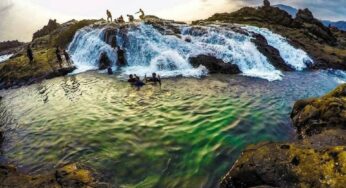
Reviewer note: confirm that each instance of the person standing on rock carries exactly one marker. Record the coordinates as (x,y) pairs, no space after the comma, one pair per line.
(142,14)
(109,16)
(30,54)
(58,56)
(131,18)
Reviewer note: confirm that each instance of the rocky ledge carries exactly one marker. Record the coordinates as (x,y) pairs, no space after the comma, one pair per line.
(18,71)
(68,176)
(317,159)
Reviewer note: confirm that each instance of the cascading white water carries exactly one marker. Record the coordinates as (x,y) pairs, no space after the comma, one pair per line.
(296,58)
(5,57)
(87,47)
(234,48)
(147,50)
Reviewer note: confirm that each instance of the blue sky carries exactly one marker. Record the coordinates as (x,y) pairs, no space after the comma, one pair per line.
(20,18)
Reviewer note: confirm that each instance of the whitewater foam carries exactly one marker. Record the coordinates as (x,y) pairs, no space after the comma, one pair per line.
(296,58)
(147,51)
(5,57)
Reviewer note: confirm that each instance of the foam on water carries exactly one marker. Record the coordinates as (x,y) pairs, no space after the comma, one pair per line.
(296,58)
(5,57)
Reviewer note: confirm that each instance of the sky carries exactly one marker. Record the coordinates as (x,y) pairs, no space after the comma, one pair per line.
(19,19)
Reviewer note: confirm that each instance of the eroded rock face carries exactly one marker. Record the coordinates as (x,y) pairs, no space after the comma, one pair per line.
(51,26)
(214,65)
(318,159)
(104,61)
(313,116)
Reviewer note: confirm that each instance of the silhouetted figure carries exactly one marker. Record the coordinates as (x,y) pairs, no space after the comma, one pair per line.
(67,57)
(131,80)
(121,19)
(109,16)
(30,54)
(154,79)
(131,18)
(109,70)
(58,56)
(121,57)
(142,14)
(138,83)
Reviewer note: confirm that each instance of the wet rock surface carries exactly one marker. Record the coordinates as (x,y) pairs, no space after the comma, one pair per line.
(317,159)
(69,176)
(214,65)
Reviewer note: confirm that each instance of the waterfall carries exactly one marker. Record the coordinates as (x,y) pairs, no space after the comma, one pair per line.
(5,57)
(86,48)
(147,50)
(296,58)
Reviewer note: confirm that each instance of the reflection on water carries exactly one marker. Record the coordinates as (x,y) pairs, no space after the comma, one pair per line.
(185,134)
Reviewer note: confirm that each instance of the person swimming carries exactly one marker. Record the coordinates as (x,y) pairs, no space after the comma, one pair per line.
(154,79)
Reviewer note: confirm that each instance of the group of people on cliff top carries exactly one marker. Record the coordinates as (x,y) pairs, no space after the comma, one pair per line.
(121,18)
(58,52)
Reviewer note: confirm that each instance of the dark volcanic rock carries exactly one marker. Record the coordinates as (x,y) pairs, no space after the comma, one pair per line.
(316,27)
(8,47)
(316,160)
(104,61)
(214,65)
(110,37)
(271,53)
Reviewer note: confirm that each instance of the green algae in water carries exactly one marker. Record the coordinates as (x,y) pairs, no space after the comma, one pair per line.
(185,134)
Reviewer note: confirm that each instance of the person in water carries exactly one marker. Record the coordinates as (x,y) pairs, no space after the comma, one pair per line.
(154,79)
(110,70)
(67,57)
(58,56)
(139,83)
(131,18)
(142,14)
(29,54)
(121,57)
(109,16)
(132,80)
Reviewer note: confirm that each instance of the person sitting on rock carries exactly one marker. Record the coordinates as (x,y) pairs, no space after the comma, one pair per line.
(67,57)
(121,57)
(142,14)
(131,18)
(121,19)
(154,79)
(29,54)
(109,16)
(58,56)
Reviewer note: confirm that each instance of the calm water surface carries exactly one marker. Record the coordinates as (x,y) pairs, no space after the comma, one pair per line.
(187,133)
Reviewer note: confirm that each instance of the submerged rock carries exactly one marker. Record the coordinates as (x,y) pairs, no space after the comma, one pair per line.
(70,176)
(318,159)
(214,65)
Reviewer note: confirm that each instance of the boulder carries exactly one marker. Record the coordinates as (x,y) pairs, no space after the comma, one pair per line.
(110,37)
(270,52)
(50,27)
(214,65)
(312,116)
